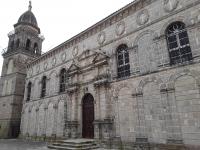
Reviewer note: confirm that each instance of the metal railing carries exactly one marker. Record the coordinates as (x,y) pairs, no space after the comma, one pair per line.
(4,50)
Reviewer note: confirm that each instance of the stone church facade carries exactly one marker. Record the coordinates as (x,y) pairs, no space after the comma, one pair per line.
(133,77)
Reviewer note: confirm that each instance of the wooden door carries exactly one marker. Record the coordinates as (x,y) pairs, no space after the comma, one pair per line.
(88,116)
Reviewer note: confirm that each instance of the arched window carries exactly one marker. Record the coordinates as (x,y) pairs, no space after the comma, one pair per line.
(28,44)
(178,43)
(123,66)
(43,88)
(29,91)
(35,48)
(63,80)
(17,43)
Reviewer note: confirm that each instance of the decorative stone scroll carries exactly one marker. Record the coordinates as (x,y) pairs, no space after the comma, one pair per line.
(142,17)
(38,69)
(75,51)
(170,5)
(120,28)
(101,38)
(45,65)
(63,56)
(53,62)
(30,72)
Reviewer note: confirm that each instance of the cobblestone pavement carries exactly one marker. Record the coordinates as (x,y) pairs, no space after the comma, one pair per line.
(16,144)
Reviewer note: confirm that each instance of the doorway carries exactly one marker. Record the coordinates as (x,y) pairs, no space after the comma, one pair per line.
(88,116)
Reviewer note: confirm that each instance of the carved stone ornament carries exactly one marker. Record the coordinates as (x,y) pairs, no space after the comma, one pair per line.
(120,28)
(101,38)
(170,5)
(75,51)
(45,66)
(38,69)
(142,17)
(53,61)
(63,56)
(30,72)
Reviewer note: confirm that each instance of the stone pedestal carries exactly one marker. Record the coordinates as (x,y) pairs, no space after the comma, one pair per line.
(103,129)
(107,128)
(73,129)
(141,144)
(97,129)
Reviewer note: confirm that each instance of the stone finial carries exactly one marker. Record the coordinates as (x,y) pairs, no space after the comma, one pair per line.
(30,6)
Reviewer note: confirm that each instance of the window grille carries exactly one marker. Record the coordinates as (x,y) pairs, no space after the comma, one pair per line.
(178,43)
(43,89)
(63,79)
(123,65)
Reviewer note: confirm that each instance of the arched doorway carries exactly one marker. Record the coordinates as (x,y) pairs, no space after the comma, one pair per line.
(88,116)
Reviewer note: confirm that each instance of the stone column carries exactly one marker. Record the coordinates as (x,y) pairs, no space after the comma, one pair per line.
(22,123)
(141,133)
(36,122)
(166,112)
(66,132)
(45,122)
(55,107)
(28,124)
(73,123)
(97,112)
(175,133)
(117,126)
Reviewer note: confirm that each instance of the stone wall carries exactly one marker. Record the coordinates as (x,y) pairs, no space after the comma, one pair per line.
(158,103)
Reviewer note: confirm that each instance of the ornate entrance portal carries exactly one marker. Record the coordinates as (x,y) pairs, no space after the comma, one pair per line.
(88,116)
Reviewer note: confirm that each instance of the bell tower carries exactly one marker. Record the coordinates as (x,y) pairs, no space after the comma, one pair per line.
(25,44)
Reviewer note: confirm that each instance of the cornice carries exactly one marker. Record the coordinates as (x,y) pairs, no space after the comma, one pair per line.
(122,13)
(105,23)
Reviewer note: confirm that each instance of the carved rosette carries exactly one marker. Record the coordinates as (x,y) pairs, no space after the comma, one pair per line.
(170,5)
(120,28)
(142,17)
(101,38)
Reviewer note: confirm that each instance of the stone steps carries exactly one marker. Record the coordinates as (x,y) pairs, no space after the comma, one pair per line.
(75,144)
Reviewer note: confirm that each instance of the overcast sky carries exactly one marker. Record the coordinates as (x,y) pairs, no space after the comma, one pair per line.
(58,20)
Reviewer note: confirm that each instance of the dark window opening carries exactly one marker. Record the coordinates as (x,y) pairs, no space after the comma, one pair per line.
(178,43)
(28,44)
(63,80)
(35,48)
(29,91)
(123,66)
(17,43)
(12,45)
(43,89)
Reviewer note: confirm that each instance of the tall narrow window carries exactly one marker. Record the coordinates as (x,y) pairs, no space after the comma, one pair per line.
(17,43)
(28,44)
(63,79)
(123,66)
(35,48)
(12,45)
(29,91)
(43,89)
(178,43)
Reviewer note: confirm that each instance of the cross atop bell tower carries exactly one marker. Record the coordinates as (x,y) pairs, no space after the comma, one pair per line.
(30,6)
